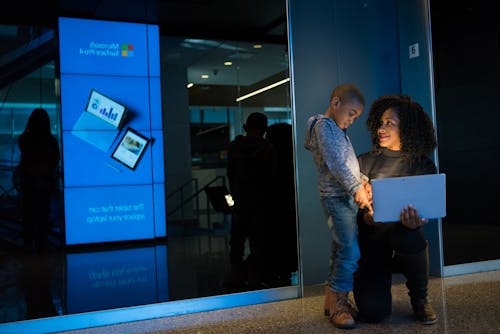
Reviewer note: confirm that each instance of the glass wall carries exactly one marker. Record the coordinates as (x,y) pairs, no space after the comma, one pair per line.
(216,75)
(204,84)
(31,286)
(467,82)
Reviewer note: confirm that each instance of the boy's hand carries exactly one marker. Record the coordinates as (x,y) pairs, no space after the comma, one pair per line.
(368,187)
(361,198)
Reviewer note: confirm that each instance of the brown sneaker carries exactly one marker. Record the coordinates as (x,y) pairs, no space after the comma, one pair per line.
(328,297)
(423,310)
(340,310)
(326,306)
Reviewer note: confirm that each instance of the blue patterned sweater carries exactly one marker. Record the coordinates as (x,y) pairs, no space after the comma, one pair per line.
(334,156)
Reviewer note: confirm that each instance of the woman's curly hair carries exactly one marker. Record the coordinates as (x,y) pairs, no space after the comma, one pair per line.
(416,130)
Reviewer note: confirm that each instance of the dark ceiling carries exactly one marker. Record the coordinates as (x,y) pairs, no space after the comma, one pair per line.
(244,20)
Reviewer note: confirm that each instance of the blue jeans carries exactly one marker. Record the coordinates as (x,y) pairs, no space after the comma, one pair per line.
(341,212)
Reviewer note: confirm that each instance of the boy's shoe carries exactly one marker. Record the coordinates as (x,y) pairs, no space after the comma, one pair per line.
(340,310)
(423,310)
(326,306)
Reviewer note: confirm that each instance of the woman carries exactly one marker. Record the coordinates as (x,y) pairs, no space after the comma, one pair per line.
(39,161)
(403,138)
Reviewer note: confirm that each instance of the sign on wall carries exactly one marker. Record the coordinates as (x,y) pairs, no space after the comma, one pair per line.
(112,129)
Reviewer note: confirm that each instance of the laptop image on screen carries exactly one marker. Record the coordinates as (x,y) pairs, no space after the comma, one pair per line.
(106,108)
(99,124)
(427,193)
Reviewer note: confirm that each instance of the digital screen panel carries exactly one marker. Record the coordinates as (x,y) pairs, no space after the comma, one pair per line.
(130,148)
(112,123)
(105,47)
(105,108)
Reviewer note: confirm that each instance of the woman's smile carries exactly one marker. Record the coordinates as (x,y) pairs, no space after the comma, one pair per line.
(383,137)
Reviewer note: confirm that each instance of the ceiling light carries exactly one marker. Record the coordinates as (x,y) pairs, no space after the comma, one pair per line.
(189,85)
(257,46)
(258,91)
(228,63)
(204,76)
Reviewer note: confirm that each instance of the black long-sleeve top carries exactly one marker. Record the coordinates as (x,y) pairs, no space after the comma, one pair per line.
(388,163)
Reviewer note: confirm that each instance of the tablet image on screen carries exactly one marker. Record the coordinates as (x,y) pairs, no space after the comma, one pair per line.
(106,108)
(131,148)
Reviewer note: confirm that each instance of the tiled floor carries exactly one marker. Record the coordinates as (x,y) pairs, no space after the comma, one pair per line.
(465,304)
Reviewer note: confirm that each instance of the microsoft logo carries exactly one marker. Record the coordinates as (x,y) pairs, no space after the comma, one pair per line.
(127,50)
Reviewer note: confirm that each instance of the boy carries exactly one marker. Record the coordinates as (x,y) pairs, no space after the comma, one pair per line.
(341,191)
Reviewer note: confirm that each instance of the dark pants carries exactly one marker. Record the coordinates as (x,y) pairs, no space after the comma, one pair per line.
(256,226)
(36,196)
(384,250)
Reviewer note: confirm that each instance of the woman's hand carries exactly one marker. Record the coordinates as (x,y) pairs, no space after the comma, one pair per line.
(409,217)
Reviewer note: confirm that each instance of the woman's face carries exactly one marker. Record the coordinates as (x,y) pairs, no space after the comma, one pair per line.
(388,131)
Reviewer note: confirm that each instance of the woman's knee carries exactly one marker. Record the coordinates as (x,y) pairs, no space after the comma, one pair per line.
(407,241)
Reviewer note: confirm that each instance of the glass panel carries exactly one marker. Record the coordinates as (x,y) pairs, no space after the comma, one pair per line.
(467,86)
(200,240)
(32,284)
(199,122)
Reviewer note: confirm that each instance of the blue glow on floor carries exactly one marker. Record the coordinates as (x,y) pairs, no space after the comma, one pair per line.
(137,313)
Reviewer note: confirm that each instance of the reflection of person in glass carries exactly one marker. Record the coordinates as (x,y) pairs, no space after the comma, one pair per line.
(251,171)
(38,167)
(282,255)
(35,278)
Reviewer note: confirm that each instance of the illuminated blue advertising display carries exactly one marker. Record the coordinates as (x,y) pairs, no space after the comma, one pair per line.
(113,156)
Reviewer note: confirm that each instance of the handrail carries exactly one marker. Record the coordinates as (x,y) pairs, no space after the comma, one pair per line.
(214,180)
(180,187)
(195,194)
(182,200)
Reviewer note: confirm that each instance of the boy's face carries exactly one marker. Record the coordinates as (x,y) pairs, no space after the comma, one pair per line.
(345,113)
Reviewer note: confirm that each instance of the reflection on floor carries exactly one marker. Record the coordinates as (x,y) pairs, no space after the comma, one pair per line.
(193,263)
(464,304)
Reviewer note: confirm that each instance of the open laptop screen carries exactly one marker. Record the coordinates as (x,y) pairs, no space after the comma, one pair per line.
(427,193)
(106,108)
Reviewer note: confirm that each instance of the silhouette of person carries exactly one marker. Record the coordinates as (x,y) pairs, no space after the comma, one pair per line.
(38,167)
(250,171)
(283,259)
(35,280)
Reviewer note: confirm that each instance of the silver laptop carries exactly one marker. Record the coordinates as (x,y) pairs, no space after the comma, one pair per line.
(427,193)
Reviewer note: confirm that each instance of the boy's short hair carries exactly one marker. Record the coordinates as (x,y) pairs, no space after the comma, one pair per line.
(348,93)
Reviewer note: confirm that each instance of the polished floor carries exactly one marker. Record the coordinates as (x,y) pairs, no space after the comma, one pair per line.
(194,264)
(465,304)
